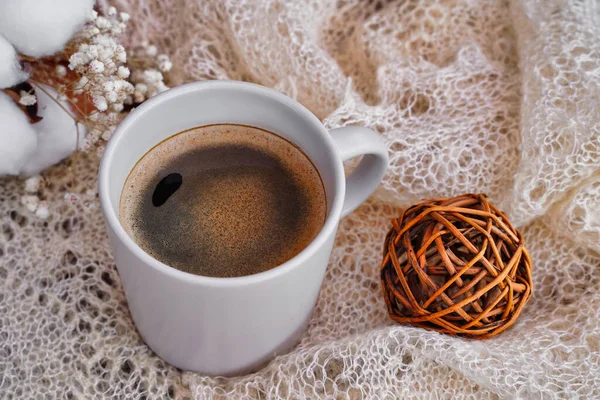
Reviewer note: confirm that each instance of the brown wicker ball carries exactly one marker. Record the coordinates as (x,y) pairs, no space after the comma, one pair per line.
(456,266)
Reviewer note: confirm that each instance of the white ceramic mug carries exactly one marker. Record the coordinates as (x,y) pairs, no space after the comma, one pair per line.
(229,326)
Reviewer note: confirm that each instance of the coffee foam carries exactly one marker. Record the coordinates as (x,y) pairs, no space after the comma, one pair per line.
(239,226)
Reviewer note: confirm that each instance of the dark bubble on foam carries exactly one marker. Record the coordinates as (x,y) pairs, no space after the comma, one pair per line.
(166,188)
(239,210)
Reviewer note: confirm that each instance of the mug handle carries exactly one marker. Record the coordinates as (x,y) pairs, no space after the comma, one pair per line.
(354,141)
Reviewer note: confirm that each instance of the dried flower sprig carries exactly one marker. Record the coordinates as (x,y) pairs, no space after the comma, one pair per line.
(97,82)
(93,75)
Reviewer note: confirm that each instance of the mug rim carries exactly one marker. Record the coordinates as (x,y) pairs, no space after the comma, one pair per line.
(112,220)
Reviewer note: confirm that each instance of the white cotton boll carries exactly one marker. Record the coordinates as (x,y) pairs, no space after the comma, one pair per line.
(56,134)
(18,139)
(10,68)
(42,27)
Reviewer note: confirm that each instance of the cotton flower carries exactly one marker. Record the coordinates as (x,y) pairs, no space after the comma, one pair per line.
(10,69)
(123,72)
(41,28)
(18,139)
(56,133)
(27,99)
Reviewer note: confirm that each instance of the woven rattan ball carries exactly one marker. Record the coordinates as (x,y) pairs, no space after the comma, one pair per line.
(456,266)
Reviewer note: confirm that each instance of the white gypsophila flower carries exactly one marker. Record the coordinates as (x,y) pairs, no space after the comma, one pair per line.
(111,118)
(151,50)
(123,72)
(96,66)
(105,40)
(91,51)
(138,97)
(42,211)
(93,15)
(118,107)
(112,11)
(102,23)
(164,64)
(31,202)
(61,71)
(27,99)
(105,53)
(111,97)
(160,87)
(108,132)
(117,29)
(121,54)
(32,184)
(100,103)
(77,59)
(141,88)
(108,86)
(125,16)
(152,76)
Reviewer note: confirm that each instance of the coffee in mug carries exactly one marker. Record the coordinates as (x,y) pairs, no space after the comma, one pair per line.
(223,201)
